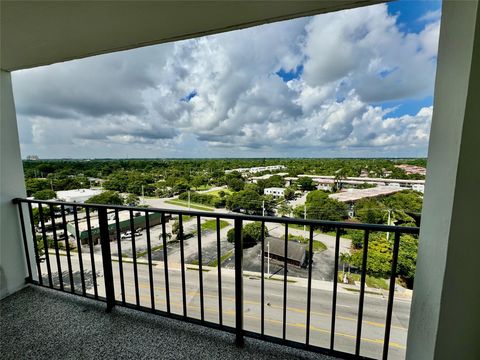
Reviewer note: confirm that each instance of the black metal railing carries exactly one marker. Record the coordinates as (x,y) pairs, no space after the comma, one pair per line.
(45,266)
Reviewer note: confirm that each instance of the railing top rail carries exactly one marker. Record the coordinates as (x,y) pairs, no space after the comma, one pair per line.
(270,219)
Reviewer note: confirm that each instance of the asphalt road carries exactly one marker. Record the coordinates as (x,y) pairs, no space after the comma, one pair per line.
(347,303)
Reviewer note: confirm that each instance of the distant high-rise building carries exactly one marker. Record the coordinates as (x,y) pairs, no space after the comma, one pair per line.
(32,157)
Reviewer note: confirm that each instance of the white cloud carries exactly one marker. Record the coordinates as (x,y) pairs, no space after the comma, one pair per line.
(138,99)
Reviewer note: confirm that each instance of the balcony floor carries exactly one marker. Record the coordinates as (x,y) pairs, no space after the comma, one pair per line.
(41,323)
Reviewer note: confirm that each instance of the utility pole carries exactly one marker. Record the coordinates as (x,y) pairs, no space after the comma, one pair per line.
(51,183)
(263,208)
(188,199)
(143,195)
(388,222)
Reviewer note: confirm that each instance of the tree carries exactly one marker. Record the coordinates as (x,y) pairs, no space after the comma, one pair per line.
(106,197)
(340,175)
(176,229)
(379,258)
(284,209)
(407,258)
(248,200)
(289,194)
(132,200)
(236,184)
(316,196)
(251,234)
(41,244)
(35,185)
(370,211)
(305,183)
(45,195)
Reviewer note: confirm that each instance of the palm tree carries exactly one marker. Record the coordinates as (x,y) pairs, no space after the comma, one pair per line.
(346,259)
(339,176)
(284,209)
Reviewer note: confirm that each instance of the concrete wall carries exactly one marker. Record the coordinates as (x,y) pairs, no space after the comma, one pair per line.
(12,184)
(445,307)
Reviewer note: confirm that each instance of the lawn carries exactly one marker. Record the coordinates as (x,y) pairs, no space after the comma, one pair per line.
(211,225)
(143,253)
(216,192)
(224,257)
(192,205)
(373,282)
(318,246)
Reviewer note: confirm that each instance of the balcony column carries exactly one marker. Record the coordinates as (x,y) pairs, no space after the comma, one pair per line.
(446,301)
(12,184)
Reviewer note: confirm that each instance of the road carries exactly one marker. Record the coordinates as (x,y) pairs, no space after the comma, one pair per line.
(347,303)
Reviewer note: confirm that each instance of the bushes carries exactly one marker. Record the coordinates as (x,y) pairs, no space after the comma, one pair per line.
(252,234)
(45,194)
(379,260)
(204,199)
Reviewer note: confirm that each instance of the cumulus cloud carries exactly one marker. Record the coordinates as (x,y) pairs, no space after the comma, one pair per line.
(205,95)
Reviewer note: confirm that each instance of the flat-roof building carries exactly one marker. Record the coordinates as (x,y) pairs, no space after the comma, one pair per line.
(78,196)
(275,249)
(352,195)
(274,191)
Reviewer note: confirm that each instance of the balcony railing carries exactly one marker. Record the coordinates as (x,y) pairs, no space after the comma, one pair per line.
(82,237)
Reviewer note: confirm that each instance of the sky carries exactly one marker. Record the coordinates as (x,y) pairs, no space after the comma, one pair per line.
(355,83)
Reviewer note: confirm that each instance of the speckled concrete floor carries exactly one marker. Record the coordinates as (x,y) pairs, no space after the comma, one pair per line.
(38,323)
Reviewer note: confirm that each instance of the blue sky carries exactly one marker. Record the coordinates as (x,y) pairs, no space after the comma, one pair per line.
(356,83)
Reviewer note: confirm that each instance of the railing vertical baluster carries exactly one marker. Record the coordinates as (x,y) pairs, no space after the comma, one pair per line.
(92,254)
(67,247)
(200,270)
(362,293)
(79,249)
(335,288)
(120,258)
(165,262)
(239,341)
(25,244)
(55,244)
(149,255)
(219,275)
(106,258)
(284,332)
(45,244)
(391,294)
(134,257)
(262,282)
(309,286)
(182,263)
(35,245)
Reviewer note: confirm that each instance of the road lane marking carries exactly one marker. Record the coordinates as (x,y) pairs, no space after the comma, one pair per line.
(292,309)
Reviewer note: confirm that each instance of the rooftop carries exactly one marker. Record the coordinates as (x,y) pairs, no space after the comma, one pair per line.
(65,326)
(357,194)
(295,250)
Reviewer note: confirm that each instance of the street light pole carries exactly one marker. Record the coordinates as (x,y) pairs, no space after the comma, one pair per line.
(388,222)
(188,199)
(263,208)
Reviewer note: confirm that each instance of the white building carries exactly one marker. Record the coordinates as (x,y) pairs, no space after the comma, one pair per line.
(274,191)
(418,187)
(80,195)
(254,170)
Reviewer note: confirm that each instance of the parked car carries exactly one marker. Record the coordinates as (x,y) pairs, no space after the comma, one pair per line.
(128,234)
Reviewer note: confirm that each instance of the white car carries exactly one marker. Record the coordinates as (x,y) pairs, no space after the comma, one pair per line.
(128,234)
